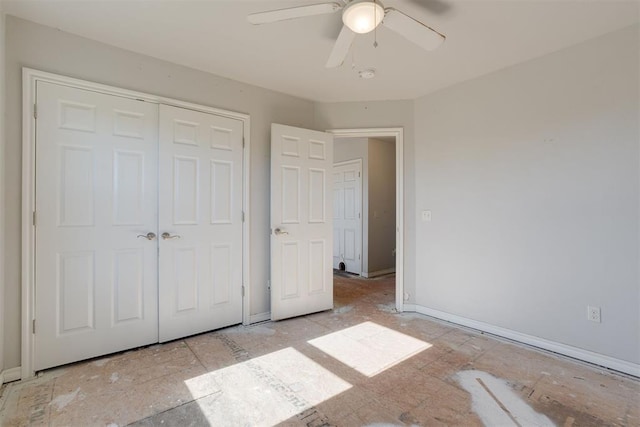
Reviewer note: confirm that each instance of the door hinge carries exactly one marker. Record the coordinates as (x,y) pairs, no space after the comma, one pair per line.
(242,216)
(243,142)
(242,290)
(34,218)
(358,174)
(33,326)
(35,111)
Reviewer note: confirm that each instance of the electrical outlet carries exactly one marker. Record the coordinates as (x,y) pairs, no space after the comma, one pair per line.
(593,314)
(426,216)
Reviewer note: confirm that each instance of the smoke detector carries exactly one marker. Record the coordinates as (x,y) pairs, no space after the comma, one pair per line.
(369,73)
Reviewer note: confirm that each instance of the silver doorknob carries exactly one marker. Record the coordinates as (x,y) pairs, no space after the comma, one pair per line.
(279,232)
(168,236)
(148,236)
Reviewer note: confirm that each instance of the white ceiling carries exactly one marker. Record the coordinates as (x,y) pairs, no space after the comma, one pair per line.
(289,56)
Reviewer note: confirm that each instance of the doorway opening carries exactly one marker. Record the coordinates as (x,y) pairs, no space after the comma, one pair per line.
(368,206)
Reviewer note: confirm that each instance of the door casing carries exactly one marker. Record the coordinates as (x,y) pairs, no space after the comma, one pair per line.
(29,112)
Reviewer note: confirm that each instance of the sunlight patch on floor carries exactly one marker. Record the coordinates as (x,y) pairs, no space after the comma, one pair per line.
(266,390)
(369,348)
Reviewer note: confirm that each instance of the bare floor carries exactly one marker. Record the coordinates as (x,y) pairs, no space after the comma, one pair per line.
(360,364)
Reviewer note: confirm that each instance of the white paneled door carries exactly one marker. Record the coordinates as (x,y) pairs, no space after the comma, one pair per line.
(347,216)
(301,221)
(138,217)
(200,215)
(96,207)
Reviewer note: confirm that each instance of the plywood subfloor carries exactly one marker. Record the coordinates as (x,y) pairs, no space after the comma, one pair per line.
(359,364)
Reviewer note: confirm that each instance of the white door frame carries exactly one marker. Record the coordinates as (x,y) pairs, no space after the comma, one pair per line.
(359,163)
(29,79)
(399,136)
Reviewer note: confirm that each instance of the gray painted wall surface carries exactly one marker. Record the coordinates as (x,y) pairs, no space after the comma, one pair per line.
(382,205)
(2,197)
(532,176)
(47,49)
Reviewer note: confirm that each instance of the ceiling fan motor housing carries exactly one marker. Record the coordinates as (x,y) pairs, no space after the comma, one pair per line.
(362,16)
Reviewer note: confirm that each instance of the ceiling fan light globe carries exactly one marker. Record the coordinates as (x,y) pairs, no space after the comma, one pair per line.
(363,17)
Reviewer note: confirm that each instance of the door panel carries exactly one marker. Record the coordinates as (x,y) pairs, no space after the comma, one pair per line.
(347,224)
(201,209)
(301,221)
(96,191)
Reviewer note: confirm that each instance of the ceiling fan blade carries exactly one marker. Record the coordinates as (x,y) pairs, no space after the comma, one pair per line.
(415,31)
(341,48)
(293,12)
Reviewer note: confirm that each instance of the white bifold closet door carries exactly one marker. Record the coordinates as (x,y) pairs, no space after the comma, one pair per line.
(138,224)
(201,214)
(96,193)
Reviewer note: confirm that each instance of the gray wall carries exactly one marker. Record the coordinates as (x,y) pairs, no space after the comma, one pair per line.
(47,49)
(382,205)
(532,176)
(2,199)
(350,149)
(376,115)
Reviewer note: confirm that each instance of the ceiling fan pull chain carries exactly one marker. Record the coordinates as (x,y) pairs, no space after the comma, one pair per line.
(375,29)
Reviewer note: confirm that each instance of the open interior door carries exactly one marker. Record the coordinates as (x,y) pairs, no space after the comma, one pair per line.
(301,221)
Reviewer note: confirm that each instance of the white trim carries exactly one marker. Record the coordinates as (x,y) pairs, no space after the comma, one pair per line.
(398,133)
(261,317)
(566,350)
(246,225)
(28,206)
(358,162)
(29,79)
(8,375)
(379,273)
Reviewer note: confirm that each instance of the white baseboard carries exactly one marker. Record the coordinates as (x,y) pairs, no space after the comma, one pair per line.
(261,317)
(409,308)
(378,273)
(8,375)
(567,350)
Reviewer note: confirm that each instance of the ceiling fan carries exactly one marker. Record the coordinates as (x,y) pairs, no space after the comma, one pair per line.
(359,17)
